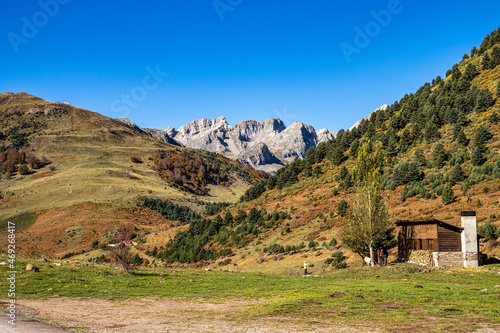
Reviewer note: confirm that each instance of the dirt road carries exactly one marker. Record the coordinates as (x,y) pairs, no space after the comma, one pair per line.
(165,315)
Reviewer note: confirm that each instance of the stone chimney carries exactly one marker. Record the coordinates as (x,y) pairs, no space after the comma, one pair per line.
(469,239)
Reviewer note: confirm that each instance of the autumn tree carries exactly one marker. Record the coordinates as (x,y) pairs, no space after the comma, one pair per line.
(367,225)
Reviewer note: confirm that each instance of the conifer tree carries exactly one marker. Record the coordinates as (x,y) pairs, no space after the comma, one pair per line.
(419,158)
(439,156)
(447,196)
(462,139)
(485,63)
(457,174)
(477,157)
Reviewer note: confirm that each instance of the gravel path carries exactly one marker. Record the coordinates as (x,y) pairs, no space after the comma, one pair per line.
(27,325)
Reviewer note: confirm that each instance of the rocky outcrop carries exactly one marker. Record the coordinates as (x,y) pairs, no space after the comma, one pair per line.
(266,145)
(383,107)
(155,133)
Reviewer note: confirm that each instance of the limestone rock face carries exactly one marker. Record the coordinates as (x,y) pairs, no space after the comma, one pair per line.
(383,107)
(266,145)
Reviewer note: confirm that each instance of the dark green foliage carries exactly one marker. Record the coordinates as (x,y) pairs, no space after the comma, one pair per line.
(170,210)
(483,101)
(406,173)
(488,231)
(462,138)
(255,191)
(212,208)
(457,174)
(432,131)
(482,136)
(136,260)
(447,195)
(498,89)
(486,62)
(439,156)
(338,260)
(342,208)
(333,243)
(419,158)
(277,248)
(494,118)
(343,173)
(477,157)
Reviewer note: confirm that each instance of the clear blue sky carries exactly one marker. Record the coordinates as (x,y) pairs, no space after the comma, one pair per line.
(245,59)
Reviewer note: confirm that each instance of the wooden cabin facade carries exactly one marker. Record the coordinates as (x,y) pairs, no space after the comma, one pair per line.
(427,234)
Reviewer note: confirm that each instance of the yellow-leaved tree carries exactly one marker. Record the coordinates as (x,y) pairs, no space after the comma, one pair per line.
(367,226)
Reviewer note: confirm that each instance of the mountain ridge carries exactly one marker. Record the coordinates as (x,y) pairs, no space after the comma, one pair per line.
(266,145)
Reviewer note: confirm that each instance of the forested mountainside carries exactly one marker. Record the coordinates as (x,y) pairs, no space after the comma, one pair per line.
(441,152)
(445,133)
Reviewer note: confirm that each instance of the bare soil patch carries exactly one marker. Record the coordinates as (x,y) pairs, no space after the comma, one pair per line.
(166,315)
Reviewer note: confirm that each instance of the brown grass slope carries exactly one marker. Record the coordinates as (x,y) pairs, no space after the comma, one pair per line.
(91,155)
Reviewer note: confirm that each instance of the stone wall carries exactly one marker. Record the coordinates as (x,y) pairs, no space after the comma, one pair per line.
(450,259)
(420,257)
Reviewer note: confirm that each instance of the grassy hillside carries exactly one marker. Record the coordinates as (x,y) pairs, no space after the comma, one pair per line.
(89,161)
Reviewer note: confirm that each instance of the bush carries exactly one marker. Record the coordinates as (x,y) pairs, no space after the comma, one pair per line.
(135,159)
(333,243)
(337,260)
(342,208)
(488,231)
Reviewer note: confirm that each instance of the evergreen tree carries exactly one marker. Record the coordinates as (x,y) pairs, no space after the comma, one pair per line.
(447,196)
(483,100)
(477,157)
(456,129)
(494,117)
(419,158)
(457,174)
(482,136)
(439,156)
(495,57)
(462,139)
(406,173)
(486,62)
(343,173)
(432,131)
(488,231)
(470,73)
(342,208)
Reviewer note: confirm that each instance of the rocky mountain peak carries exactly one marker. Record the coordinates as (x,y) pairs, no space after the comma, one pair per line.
(266,145)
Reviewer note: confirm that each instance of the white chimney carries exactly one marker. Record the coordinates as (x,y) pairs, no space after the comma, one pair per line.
(469,239)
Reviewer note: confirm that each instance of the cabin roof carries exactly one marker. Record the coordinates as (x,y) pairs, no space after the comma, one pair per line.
(401,223)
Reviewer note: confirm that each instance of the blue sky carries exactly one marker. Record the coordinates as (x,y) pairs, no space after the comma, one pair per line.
(163,63)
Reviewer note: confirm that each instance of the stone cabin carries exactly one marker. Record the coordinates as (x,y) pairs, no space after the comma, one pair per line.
(446,244)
